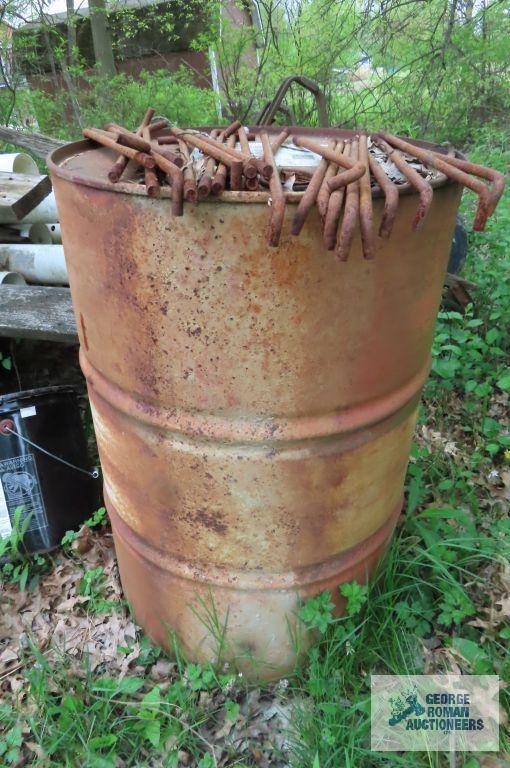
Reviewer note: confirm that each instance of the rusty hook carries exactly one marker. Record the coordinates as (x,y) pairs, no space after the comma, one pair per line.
(351,211)
(278,198)
(418,182)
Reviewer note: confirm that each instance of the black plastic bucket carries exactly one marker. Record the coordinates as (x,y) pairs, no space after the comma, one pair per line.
(57,497)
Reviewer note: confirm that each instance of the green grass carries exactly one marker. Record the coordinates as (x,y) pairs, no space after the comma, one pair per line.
(433,606)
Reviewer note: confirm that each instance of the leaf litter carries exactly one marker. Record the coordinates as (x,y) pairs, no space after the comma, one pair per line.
(64,625)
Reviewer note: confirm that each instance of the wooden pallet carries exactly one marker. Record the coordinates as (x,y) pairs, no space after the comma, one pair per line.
(37,312)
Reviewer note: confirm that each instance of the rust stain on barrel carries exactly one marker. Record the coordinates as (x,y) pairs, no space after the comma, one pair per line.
(253,406)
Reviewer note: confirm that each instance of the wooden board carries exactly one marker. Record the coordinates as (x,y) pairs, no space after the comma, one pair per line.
(37,312)
(20,193)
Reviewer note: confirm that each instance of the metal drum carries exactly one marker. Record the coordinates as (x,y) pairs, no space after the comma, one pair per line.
(253,406)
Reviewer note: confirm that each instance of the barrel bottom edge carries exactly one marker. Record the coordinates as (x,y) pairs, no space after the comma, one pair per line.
(256,632)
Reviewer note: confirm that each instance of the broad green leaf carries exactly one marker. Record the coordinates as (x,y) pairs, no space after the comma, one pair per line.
(504,382)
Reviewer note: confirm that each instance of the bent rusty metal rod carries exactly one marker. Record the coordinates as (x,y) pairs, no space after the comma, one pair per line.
(324,192)
(310,195)
(366,209)
(100,137)
(120,164)
(418,182)
(334,208)
(152,184)
(231,129)
(236,169)
(346,177)
(266,170)
(115,135)
(168,140)
(205,182)
(190,186)
(172,156)
(220,177)
(354,170)
(351,211)
(213,148)
(390,197)
(276,189)
(250,167)
(277,143)
(251,183)
(128,138)
(485,200)
(496,178)
(151,180)
(157,125)
(174,177)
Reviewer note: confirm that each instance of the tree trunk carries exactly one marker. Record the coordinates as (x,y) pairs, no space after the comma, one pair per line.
(71,33)
(49,52)
(101,38)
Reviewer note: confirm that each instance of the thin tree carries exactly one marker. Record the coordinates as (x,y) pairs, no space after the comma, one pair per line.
(101,38)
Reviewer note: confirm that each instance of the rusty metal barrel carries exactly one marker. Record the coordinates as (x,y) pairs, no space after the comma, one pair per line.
(253,406)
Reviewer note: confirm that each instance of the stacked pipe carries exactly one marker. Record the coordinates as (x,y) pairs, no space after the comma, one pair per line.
(30,249)
(197,164)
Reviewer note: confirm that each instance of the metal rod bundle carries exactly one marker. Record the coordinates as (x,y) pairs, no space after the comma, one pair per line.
(197,164)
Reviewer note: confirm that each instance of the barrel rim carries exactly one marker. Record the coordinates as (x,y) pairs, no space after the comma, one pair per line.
(58,157)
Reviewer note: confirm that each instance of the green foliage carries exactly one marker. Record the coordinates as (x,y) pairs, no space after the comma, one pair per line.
(93,720)
(231,709)
(5,362)
(438,69)
(9,746)
(97,520)
(429,585)
(12,546)
(123,100)
(92,582)
(455,607)
(16,566)
(356,594)
(200,678)
(317,612)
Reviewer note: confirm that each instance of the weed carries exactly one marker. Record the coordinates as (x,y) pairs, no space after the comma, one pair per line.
(317,612)
(16,566)
(98,519)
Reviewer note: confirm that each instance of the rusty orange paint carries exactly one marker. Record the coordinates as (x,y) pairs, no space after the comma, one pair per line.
(253,406)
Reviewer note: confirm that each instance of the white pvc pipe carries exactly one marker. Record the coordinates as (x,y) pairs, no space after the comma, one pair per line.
(56,235)
(40,234)
(40,264)
(18,162)
(46,212)
(11,278)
